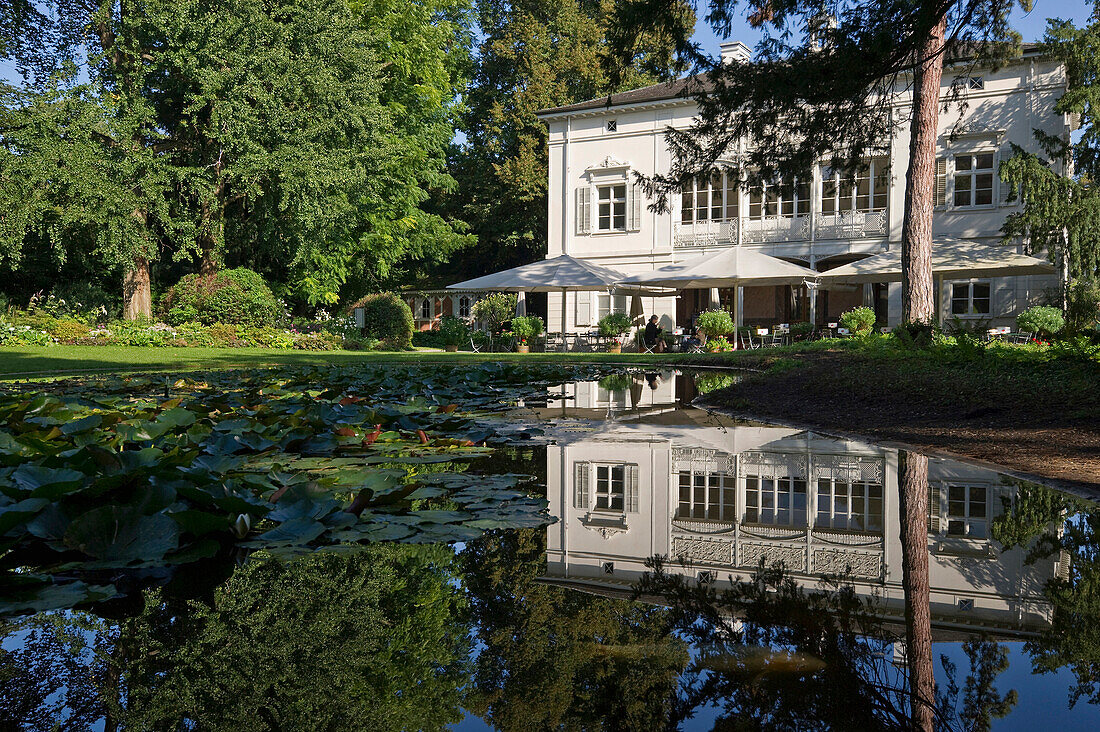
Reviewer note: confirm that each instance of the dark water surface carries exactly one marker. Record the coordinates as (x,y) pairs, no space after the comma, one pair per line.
(513,548)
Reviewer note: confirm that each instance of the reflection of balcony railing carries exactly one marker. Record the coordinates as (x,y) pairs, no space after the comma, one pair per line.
(847,225)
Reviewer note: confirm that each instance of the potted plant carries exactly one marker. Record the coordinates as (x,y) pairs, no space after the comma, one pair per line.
(453,332)
(614,325)
(525,327)
(714,324)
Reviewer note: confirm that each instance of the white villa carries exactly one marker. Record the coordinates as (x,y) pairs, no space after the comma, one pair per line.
(723,496)
(596,211)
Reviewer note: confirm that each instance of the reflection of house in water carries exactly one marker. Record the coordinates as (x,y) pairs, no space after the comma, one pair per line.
(724,497)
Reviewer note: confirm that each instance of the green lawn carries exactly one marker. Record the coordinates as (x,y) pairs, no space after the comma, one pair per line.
(38,362)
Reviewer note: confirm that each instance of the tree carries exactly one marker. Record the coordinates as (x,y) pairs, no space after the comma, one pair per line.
(913,515)
(1061,213)
(822,89)
(535,54)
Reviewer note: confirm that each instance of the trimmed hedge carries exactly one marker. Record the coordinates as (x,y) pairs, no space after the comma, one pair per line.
(387,318)
(238,296)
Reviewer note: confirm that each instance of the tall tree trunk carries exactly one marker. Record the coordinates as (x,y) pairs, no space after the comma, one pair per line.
(137,297)
(1063,270)
(913,509)
(917,302)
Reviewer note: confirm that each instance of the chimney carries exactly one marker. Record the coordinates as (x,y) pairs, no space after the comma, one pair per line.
(735,52)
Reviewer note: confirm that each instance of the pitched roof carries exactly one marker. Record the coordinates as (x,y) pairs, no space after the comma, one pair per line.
(679,88)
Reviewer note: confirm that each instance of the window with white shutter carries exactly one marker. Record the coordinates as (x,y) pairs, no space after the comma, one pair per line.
(584,210)
(632,489)
(580,485)
(634,206)
(941,182)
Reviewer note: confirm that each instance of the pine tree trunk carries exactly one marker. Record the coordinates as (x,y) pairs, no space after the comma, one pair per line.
(1063,270)
(917,299)
(137,298)
(913,509)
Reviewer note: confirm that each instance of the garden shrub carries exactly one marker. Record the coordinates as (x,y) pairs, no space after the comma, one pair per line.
(801,328)
(714,323)
(318,341)
(235,296)
(613,325)
(427,339)
(85,302)
(454,331)
(718,344)
(1042,320)
(495,309)
(222,335)
(69,331)
(525,327)
(388,319)
(859,320)
(12,334)
(1084,306)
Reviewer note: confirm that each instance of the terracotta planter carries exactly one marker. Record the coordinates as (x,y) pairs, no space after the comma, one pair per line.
(450,349)
(523,349)
(615,348)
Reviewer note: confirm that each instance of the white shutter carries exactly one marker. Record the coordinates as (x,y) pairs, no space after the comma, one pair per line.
(933,510)
(941,182)
(634,207)
(584,210)
(580,485)
(631,500)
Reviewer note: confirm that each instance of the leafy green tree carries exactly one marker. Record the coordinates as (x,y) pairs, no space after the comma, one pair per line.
(555,658)
(1061,214)
(821,89)
(532,55)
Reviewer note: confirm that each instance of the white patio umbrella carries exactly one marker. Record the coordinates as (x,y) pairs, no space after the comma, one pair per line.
(557,274)
(732,267)
(951,258)
(521,303)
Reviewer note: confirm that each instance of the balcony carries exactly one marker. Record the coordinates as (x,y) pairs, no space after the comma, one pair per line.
(774,229)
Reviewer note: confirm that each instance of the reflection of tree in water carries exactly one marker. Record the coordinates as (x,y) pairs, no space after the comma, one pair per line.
(771,654)
(1050,522)
(557,658)
(375,638)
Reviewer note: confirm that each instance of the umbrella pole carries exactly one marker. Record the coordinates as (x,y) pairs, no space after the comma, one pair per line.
(736,314)
(563,311)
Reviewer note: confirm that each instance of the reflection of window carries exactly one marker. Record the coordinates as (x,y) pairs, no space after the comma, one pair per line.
(709,199)
(866,192)
(970,298)
(780,501)
(967,511)
(605,486)
(974,180)
(611,304)
(464,307)
(706,496)
(426,308)
(852,506)
(611,212)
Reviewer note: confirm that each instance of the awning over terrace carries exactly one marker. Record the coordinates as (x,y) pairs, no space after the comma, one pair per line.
(733,267)
(951,258)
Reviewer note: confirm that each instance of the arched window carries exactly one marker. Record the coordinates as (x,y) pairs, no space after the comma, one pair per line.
(426,309)
(464,306)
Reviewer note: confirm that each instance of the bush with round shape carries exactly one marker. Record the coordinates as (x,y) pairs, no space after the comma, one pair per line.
(237,296)
(714,323)
(387,318)
(614,325)
(495,309)
(525,327)
(802,328)
(69,331)
(859,320)
(1041,320)
(454,331)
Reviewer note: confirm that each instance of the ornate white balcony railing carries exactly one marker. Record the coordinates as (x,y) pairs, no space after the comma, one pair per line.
(847,225)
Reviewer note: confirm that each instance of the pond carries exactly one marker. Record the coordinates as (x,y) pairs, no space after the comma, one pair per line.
(506,547)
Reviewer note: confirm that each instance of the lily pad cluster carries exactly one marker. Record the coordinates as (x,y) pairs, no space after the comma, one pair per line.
(111,485)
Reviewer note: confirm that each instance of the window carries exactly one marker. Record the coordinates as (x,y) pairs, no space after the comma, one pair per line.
(611,214)
(773,199)
(612,125)
(713,198)
(464,306)
(606,304)
(975,82)
(614,486)
(974,180)
(867,191)
(707,496)
(967,511)
(851,506)
(426,308)
(779,501)
(970,298)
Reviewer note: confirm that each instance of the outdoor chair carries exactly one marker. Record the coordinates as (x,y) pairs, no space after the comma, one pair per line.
(474,346)
(1019,337)
(555,342)
(747,341)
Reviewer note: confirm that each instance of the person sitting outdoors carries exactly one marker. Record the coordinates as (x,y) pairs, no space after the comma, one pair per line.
(652,338)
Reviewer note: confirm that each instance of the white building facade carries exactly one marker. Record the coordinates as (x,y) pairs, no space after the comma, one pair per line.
(597,212)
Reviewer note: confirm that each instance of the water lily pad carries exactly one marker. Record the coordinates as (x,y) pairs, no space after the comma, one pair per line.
(122,534)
